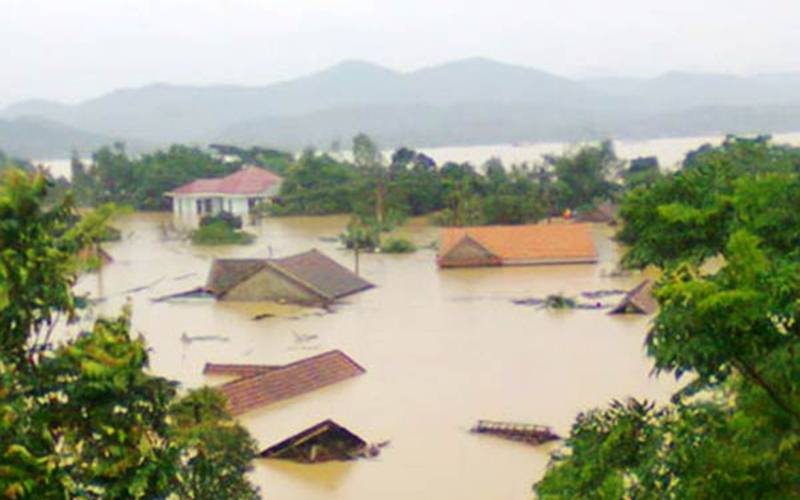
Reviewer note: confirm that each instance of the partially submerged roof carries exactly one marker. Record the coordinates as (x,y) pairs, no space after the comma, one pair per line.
(640,300)
(321,442)
(605,212)
(536,243)
(289,381)
(249,180)
(227,273)
(312,270)
(322,273)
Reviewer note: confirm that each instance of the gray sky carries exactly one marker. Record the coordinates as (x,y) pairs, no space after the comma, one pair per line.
(76,49)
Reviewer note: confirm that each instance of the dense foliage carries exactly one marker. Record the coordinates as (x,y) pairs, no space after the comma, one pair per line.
(734,430)
(115,176)
(412,184)
(83,418)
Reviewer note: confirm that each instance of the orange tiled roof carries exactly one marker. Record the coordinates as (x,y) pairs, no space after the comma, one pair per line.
(530,243)
(288,381)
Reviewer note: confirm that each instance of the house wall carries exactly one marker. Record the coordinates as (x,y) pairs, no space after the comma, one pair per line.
(269,285)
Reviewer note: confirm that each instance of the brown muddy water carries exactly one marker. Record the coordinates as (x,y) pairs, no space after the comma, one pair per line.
(442,349)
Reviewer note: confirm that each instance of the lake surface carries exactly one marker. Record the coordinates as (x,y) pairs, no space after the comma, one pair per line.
(442,349)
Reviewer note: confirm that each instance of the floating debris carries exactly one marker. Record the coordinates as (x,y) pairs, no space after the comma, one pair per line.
(558,301)
(184,276)
(259,317)
(202,338)
(599,294)
(194,293)
(302,338)
(526,433)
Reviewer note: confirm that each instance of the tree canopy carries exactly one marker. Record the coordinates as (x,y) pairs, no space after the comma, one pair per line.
(724,232)
(83,418)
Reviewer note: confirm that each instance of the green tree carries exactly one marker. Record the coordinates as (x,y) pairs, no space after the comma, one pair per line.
(734,430)
(80,419)
(369,160)
(583,176)
(218,452)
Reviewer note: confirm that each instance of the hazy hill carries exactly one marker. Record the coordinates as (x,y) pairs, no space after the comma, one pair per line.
(468,101)
(39,138)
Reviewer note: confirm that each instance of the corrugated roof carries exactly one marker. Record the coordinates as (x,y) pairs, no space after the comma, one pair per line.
(289,381)
(639,300)
(533,243)
(237,370)
(227,273)
(248,180)
(322,273)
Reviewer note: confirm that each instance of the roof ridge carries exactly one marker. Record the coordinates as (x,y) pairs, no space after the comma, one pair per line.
(273,264)
(243,277)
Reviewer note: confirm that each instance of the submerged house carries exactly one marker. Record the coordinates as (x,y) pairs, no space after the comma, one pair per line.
(237,193)
(273,384)
(516,245)
(640,300)
(309,278)
(322,442)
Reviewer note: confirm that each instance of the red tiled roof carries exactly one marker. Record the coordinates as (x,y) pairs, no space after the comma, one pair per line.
(237,370)
(537,243)
(288,381)
(248,180)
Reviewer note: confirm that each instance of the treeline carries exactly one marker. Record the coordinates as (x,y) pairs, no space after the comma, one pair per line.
(408,183)
(730,330)
(411,183)
(141,182)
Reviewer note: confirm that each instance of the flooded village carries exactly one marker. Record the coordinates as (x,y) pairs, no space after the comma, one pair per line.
(438,351)
(400,250)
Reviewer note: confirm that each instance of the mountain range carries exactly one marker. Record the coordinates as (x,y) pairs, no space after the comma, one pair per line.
(472,101)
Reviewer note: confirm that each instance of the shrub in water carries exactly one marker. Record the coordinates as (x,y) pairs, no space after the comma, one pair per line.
(398,245)
(219,233)
(227,218)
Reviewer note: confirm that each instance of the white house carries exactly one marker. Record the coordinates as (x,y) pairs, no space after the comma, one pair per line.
(237,193)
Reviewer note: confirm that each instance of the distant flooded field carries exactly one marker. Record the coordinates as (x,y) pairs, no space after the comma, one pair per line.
(669,151)
(442,349)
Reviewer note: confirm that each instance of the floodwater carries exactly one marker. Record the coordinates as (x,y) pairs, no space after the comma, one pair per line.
(669,151)
(442,349)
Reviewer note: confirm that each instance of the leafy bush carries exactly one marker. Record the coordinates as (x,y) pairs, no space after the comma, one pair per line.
(219,233)
(398,245)
(227,218)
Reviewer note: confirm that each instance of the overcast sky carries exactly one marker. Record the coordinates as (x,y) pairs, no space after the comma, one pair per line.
(75,49)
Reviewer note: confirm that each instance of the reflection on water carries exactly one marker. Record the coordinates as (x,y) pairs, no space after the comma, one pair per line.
(442,349)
